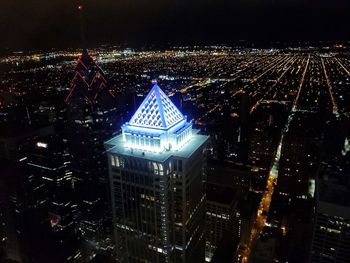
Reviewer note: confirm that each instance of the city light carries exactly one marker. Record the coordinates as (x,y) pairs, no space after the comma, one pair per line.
(41,145)
(128,133)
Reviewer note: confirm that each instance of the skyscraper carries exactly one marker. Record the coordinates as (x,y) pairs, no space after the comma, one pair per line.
(44,208)
(157,175)
(91,117)
(331,237)
(89,84)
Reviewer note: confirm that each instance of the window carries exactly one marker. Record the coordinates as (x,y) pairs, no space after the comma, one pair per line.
(155,168)
(157,143)
(115,161)
(161,169)
(121,162)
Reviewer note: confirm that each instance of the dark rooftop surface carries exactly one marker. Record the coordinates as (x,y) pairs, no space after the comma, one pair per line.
(220,194)
(249,204)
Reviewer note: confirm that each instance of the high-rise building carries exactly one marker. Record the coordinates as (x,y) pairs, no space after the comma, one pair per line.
(244,119)
(157,175)
(89,82)
(221,203)
(91,119)
(43,203)
(300,157)
(331,237)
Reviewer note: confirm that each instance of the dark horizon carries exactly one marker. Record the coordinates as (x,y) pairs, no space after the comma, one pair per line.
(55,24)
(190,131)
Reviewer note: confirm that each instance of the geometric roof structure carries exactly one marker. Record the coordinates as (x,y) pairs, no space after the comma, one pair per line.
(157,125)
(156,111)
(89,81)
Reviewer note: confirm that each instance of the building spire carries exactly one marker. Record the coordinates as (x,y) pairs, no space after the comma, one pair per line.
(82,28)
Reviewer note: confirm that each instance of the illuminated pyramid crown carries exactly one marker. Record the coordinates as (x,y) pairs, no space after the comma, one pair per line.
(157,124)
(156,111)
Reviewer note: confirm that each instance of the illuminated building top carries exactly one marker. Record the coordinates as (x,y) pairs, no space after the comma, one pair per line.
(157,145)
(156,111)
(157,125)
(89,80)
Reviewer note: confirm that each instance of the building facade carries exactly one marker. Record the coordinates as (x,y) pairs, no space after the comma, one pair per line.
(331,241)
(221,204)
(331,236)
(44,206)
(91,119)
(157,178)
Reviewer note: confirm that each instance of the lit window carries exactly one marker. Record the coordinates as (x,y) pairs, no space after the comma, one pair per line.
(155,168)
(161,169)
(117,161)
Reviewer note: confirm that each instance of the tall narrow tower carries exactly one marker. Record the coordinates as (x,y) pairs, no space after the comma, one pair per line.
(91,117)
(157,175)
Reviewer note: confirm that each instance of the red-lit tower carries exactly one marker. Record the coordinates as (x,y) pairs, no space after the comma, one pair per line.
(91,119)
(89,81)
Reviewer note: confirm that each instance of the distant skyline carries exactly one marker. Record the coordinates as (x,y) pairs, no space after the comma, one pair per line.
(44,24)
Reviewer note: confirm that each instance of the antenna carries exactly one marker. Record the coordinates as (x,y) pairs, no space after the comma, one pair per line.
(82,31)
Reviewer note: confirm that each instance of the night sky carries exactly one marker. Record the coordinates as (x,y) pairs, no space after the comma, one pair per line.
(32,24)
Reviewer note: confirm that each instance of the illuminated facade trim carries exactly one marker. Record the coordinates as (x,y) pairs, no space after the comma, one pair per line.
(89,79)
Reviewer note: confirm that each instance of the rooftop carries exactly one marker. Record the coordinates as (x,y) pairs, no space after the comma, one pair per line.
(156,131)
(157,125)
(221,194)
(118,146)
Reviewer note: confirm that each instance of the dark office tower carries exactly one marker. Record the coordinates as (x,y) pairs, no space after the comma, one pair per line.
(331,241)
(132,99)
(157,174)
(331,237)
(178,100)
(221,202)
(300,154)
(46,204)
(49,160)
(228,126)
(260,143)
(91,117)
(244,115)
